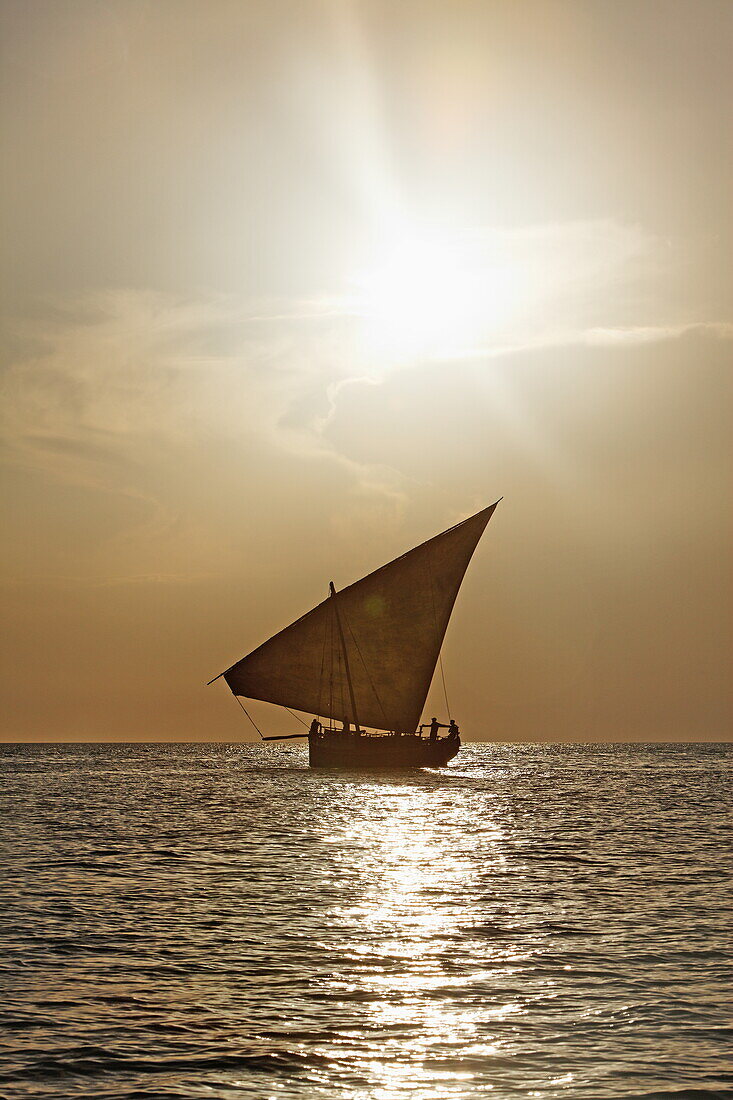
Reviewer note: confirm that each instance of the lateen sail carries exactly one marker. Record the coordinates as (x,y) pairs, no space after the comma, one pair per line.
(394,621)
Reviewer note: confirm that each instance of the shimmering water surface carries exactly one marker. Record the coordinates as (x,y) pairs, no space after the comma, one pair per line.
(221,921)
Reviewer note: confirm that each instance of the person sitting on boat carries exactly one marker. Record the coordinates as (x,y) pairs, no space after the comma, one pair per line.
(315,727)
(452,730)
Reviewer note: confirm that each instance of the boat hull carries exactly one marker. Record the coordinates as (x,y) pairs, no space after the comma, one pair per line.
(342,750)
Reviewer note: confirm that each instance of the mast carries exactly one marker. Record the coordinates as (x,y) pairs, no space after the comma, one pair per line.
(346,657)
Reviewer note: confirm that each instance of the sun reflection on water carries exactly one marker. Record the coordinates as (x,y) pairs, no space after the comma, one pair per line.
(426,1002)
(493,930)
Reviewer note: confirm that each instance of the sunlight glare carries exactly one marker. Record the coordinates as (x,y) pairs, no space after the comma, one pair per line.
(432,297)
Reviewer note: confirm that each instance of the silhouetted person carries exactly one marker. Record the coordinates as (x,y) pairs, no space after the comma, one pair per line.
(435,725)
(346,726)
(452,729)
(315,726)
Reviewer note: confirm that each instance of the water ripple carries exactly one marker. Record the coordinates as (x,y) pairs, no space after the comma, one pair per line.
(536,921)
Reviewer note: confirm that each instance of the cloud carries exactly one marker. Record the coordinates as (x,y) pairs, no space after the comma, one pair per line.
(599,337)
(647,334)
(102,388)
(181,408)
(99,374)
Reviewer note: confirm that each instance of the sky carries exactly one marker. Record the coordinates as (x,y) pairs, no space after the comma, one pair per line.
(289,287)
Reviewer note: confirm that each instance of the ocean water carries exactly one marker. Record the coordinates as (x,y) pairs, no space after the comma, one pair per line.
(220,921)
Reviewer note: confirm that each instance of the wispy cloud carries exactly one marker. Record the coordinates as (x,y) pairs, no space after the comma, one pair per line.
(597,337)
(100,385)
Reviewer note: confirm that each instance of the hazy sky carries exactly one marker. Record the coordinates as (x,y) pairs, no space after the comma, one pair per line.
(289,287)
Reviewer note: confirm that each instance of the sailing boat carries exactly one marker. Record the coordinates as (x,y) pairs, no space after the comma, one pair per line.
(367,655)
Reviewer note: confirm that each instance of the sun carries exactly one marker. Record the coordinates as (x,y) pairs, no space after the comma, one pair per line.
(431,297)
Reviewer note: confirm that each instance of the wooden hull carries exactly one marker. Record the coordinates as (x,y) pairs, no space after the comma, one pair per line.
(343,750)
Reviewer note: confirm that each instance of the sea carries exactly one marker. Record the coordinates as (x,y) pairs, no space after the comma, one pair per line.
(185,921)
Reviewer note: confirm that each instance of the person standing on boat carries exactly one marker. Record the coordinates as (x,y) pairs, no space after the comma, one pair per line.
(435,725)
(346,726)
(452,729)
(315,727)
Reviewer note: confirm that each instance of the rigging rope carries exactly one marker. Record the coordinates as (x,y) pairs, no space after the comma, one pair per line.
(440,651)
(330,654)
(445,693)
(369,675)
(297,718)
(249,716)
(323,667)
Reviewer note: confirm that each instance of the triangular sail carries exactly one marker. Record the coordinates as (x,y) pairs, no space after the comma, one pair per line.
(393,621)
